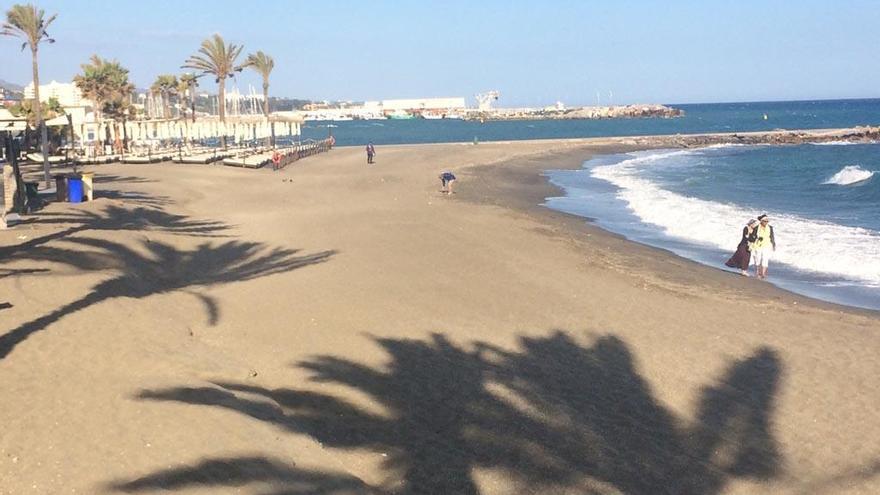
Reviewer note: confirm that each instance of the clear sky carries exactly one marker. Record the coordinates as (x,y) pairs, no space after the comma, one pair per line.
(533,52)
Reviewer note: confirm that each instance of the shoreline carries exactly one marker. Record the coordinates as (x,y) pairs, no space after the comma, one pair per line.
(521,184)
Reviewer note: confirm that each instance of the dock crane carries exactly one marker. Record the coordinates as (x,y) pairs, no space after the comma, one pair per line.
(484,100)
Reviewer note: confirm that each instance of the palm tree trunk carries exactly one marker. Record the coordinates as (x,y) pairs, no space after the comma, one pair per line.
(270,140)
(99,144)
(266,98)
(124,136)
(166,111)
(222,109)
(38,111)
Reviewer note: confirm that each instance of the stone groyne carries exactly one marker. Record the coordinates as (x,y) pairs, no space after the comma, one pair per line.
(553,113)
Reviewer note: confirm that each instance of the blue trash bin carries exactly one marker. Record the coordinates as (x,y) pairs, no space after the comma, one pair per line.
(75,189)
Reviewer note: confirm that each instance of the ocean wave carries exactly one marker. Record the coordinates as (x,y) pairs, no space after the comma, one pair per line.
(835,143)
(850,174)
(806,244)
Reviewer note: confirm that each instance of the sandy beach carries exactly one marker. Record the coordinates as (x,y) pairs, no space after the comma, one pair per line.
(338,328)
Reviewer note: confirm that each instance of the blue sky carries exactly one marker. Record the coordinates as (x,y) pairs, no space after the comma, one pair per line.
(533,52)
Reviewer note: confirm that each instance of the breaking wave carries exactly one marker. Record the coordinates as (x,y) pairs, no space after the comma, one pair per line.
(851,174)
(804,243)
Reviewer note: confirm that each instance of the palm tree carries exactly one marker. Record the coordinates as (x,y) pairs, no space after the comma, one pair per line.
(92,83)
(217,58)
(30,24)
(188,83)
(165,86)
(26,108)
(106,84)
(263,64)
(118,105)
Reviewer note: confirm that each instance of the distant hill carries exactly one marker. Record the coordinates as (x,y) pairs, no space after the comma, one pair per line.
(11,86)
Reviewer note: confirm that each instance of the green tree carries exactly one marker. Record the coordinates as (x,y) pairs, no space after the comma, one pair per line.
(30,24)
(218,58)
(263,65)
(27,108)
(188,84)
(165,86)
(106,83)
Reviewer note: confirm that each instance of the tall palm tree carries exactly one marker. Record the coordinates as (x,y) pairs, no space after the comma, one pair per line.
(118,107)
(30,24)
(218,58)
(165,85)
(106,84)
(93,84)
(188,83)
(263,64)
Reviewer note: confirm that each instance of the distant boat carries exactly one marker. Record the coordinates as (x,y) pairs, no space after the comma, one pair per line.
(401,115)
(432,116)
(765,116)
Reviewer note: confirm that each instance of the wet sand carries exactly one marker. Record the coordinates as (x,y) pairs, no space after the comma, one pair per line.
(338,328)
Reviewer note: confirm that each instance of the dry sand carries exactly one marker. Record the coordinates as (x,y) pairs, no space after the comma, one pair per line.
(335,328)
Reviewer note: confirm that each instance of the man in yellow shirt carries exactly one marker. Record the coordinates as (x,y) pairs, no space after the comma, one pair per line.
(763,245)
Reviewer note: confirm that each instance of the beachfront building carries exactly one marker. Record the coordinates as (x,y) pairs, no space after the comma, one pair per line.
(402,108)
(67,94)
(422,104)
(422,107)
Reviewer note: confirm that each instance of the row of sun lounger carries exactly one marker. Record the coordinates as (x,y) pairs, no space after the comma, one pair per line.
(203,157)
(261,157)
(94,160)
(248,158)
(253,158)
(148,158)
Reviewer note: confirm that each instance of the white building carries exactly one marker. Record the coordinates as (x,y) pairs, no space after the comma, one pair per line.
(455,103)
(67,94)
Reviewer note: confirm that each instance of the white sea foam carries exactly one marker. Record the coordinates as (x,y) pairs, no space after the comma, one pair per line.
(850,174)
(835,143)
(804,243)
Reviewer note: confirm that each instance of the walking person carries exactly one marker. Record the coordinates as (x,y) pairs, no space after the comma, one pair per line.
(763,242)
(743,256)
(371,151)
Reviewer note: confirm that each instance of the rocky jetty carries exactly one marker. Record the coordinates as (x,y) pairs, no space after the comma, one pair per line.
(554,113)
(779,136)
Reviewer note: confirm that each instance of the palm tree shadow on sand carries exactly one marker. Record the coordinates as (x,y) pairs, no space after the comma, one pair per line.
(554,415)
(157,268)
(282,478)
(115,218)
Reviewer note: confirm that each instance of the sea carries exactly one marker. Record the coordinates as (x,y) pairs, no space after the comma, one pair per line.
(823,199)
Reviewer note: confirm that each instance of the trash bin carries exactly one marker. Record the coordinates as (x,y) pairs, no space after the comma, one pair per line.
(88,189)
(60,188)
(75,189)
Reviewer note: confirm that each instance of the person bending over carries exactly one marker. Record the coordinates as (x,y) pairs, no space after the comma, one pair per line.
(446,182)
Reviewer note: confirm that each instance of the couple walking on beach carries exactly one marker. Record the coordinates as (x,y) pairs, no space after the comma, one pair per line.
(758,242)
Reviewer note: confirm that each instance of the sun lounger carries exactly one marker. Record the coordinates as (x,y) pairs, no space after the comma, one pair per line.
(202,158)
(96,160)
(38,158)
(140,159)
